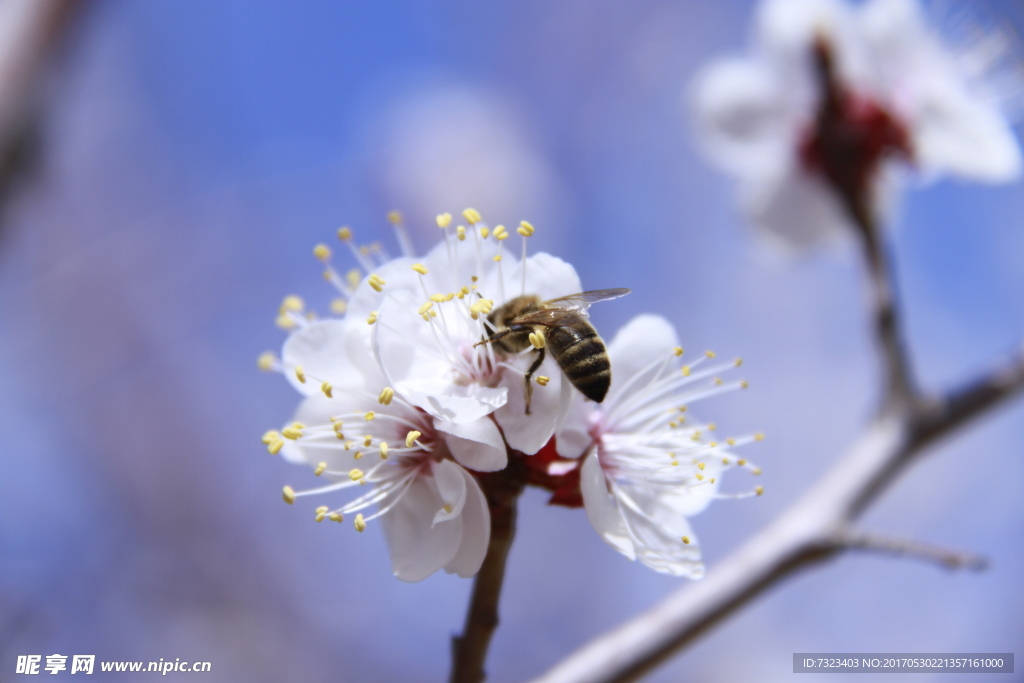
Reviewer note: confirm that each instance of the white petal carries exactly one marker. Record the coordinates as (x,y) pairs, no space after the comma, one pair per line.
(317,410)
(529,433)
(643,345)
(418,548)
(795,207)
(477,445)
(320,349)
(547,276)
(476,531)
(601,509)
(741,116)
(451,486)
(452,402)
(573,437)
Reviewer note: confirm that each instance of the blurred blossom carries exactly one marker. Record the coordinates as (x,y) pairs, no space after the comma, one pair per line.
(828,97)
(648,463)
(459,146)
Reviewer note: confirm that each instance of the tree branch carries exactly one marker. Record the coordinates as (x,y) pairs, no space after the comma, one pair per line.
(802,535)
(901,547)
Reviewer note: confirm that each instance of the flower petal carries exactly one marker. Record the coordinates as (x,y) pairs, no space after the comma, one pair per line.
(529,433)
(477,445)
(573,437)
(601,508)
(795,207)
(452,402)
(418,547)
(319,348)
(451,486)
(476,531)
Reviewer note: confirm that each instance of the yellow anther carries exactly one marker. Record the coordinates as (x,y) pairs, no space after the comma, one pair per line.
(444,220)
(369,416)
(757,471)
(496,258)
(699,476)
(321,516)
(700,466)
(292,432)
(437,298)
(338,433)
(275,447)
(354,277)
(300,374)
(682,409)
(725,461)
(383,450)
(360,524)
(678,351)
(288,493)
(355,474)
(320,469)
(322,252)
(709,354)
(432,313)
(372,318)
(349,444)
(411,437)
(711,426)
(447,507)
(537,339)
(335,517)
(292,303)
(419,268)
(731,441)
(743,384)
(376,283)
(386,394)
(484,232)
(686,371)
(326,388)
(473,278)
(285,322)
(395,217)
(472,216)
(718,381)
(322,509)
(543,380)
(460,232)
(344,233)
(675,463)
(339,306)
(711,480)
(686,540)
(367,440)
(358,455)
(713,444)
(270,436)
(738,362)
(673,424)
(741,462)
(696,435)
(266,361)
(525,229)
(759,490)
(759,436)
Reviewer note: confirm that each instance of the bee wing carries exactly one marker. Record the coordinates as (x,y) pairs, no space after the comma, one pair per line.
(568,310)
(584,300)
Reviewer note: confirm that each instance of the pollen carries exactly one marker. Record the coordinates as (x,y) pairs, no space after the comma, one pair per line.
(358,455)
(759,436)
(395,217)
(376,283)
(686,371)
(738,362)
(537,339)
(444,220)
(326,388)
(266,361)
(270,436)
(320,469)
(525,229)
(360,523)
(700,466)
(759,490)
(500,233)
(496,258)
(543,380)
(335,517)
(339,306)
(372,318)
(344,233)
(292,432)
(437,298)
(386,394)
(678,351)
(355,474)
(367,440)
(300,374)
(322,252)
(288,493)
(686,540)
(274,447)
(447,507)
(419,268)
(709,354)
(484,232)
(472,216)
(369,416)
(411,437)
(383,450)
(292,302)
(460,232)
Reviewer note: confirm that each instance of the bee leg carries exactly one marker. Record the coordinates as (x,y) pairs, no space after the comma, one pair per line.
(495,337)
(529,376)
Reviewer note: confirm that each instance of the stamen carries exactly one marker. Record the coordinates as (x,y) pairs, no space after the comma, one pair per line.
(288,493)
(543,380)
(360,524)
(411,437)
(383,450)
(267,361)
(322,252)
(299,374)
(537,339)
(385,397)
(326,388)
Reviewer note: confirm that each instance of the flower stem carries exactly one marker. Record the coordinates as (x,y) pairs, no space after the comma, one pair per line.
(469,651)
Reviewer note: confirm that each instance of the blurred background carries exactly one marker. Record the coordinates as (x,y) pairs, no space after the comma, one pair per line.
(173,166)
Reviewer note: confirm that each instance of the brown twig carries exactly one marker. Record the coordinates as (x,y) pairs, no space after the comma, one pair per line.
(469,651)
(905,547)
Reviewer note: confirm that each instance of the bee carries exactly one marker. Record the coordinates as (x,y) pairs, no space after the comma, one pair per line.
(563,327)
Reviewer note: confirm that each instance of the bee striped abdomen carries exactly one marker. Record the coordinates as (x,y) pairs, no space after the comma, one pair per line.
(583,358)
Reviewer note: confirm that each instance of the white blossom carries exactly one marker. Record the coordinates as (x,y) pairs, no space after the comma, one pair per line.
(647,463)
(901,93)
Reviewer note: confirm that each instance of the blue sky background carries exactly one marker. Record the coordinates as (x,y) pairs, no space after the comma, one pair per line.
(194,154)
